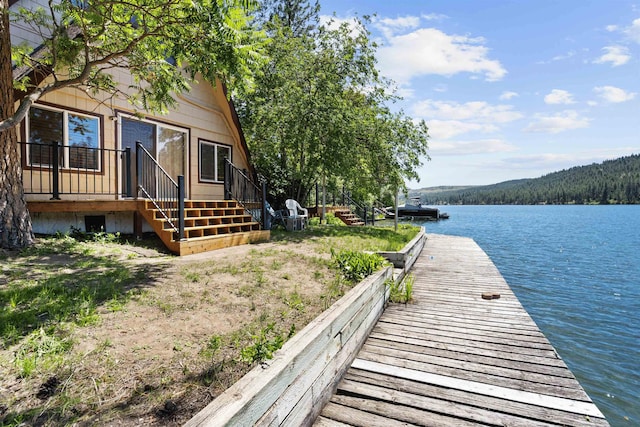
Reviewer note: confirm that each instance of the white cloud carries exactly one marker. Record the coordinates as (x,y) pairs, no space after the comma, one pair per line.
(431,51)
(633,31)
(391,26)
(559,96)
(447,119)
(564,121)
(457,148)
(616,55)
(475,111)
(567,55)
(334,23)
(507,95)
(557,161)
(441,88)
(592,103)
(434,16)
(445,129)
(614,94)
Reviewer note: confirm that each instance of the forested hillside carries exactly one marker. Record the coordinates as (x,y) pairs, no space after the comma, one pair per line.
(611,182)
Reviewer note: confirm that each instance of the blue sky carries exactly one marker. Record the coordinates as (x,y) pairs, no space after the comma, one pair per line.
(510,89)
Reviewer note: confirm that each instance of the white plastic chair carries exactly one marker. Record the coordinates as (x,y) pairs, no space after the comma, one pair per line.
(297,214)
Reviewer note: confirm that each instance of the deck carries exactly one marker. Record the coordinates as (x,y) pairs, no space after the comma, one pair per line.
(454,359)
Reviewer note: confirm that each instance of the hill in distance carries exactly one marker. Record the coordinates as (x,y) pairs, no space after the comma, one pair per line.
(610,182)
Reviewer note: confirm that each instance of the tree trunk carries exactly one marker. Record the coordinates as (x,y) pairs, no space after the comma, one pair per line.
(15,222)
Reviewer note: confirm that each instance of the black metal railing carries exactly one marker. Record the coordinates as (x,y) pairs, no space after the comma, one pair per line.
(58,169)
(238,186)
(359,209)
(157,185)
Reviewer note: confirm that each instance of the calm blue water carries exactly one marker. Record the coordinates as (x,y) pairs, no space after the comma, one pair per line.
(576,269)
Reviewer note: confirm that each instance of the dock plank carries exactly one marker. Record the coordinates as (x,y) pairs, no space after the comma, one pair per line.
(453,358)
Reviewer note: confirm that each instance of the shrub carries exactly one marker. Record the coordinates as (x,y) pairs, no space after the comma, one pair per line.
(355,265)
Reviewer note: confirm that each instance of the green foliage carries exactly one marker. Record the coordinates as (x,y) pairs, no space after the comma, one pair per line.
(610,182)
(82,44)
(330,219)
(354,265)
(264,344)
(319,111)
(401,292)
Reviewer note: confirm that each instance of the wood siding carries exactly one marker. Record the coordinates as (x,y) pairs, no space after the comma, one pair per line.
(204,112)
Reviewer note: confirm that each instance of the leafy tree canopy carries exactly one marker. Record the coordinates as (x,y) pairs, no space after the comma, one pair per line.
(320,111)
(163,44)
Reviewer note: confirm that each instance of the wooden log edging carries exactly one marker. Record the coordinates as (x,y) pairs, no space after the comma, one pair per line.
(294,386)
(405,258)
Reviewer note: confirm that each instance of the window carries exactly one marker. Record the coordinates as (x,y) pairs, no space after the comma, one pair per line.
(212,157)
(77,134)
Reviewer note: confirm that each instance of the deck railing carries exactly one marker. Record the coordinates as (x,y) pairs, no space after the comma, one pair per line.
(157,185)
(238,186)
(58,169)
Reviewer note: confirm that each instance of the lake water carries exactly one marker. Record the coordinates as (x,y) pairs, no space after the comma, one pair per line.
(576,269)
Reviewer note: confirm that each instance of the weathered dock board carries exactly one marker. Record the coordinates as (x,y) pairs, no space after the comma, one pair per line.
(453,358)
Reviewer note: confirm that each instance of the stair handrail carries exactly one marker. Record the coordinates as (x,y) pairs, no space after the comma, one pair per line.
(164,192)
(379,206)
(346,197)
(239,187)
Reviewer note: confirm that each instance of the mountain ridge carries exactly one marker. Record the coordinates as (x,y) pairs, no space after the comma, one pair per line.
(614,181)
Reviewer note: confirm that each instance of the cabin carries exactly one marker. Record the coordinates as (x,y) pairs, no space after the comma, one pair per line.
(102,166)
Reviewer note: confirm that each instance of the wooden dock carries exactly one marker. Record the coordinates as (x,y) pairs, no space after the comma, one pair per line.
(455,359)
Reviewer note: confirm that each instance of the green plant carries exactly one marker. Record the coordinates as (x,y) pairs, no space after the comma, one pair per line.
(192,276)
(331,219)
(401,292)
(294,301)
(104,237)
(264,344)
(354,265)
(40,348)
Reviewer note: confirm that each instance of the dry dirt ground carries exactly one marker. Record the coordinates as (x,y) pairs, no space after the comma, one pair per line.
(176,333)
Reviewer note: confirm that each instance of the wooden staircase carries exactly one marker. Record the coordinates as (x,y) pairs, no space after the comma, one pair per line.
(348,217)
(208,224)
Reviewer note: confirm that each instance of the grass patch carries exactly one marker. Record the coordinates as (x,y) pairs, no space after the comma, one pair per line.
(66,290)
(372,239)
(111,334)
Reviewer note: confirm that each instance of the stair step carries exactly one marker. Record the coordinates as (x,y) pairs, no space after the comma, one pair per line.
(210,220)
(196,204)
(202,212)
(219,230)
(204,220)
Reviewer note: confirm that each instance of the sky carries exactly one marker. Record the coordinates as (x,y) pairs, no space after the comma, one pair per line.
(510,89)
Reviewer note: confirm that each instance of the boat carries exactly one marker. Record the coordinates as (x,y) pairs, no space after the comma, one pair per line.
(415,209)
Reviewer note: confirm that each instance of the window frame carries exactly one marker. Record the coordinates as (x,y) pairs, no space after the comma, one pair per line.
(214,144)
(65,160)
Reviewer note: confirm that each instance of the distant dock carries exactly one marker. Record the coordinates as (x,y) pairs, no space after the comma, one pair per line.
(458,356)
